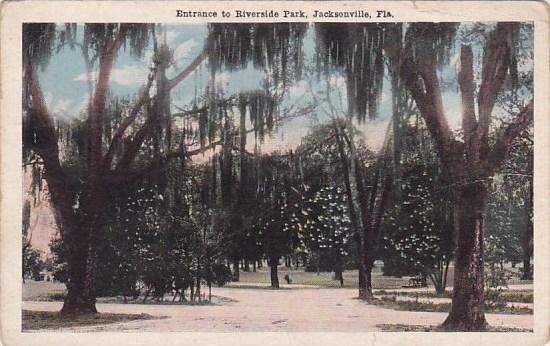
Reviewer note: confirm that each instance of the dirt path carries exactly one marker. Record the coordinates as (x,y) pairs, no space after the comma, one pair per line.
(290,310)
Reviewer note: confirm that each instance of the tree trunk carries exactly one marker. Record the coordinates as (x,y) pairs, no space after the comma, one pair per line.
(527,235)
(467,311)
(246,265)
(198,291)
(236,273)
(81,240)
(273,263)
(338,272)
(318,263)
(368,282)
(80,298)
(355,212)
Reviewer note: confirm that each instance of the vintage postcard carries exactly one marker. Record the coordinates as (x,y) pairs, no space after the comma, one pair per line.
(275,173)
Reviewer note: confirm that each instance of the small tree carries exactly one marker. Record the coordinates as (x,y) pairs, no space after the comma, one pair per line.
(422,228)
(325,226)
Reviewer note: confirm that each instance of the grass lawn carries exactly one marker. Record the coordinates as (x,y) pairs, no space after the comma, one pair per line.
(512,296)
(32,320)
(323,280)
(405,305)
(418,328)
(42,290)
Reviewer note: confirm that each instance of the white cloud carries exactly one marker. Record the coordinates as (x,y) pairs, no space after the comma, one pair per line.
(84,77)
(182,51)
(129,75)
(298,89)
(62,106)
(171,36)
(126,75)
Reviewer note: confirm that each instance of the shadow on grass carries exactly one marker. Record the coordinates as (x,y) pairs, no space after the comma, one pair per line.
(418,328)
(33,320)
(216,300)
(411,305)
(512,296)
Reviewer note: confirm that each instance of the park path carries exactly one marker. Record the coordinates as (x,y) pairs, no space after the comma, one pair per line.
(287,310)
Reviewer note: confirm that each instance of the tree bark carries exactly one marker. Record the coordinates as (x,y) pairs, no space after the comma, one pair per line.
(467,311)
(82,242)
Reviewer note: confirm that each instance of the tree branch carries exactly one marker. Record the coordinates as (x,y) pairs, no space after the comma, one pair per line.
(133,147)
(187,71)
(421,80)
(46,146)
(507,136)
(467,88)
(117,137)
(97,106)
(496,62)
(143,132)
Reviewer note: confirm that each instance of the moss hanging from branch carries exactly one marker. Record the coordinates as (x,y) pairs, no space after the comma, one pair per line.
(135,36)
(38,42)
(425,38)
(356,49)
(274,47)
(262,109)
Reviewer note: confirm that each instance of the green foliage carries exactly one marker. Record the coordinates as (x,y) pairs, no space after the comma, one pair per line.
(274,227)
(420,227)
(509,210)
(419,230)
(32,263)
(325,227)
(59,268)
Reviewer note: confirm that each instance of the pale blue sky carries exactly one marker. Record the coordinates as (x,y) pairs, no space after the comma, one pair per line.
(65,87)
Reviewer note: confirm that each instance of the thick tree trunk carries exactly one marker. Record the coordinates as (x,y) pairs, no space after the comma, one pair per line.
(81,240)
(80,298)
(273,263)
(467,311)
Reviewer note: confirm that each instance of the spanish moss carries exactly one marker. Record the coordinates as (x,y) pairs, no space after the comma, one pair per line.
(274,47)
(356,50)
